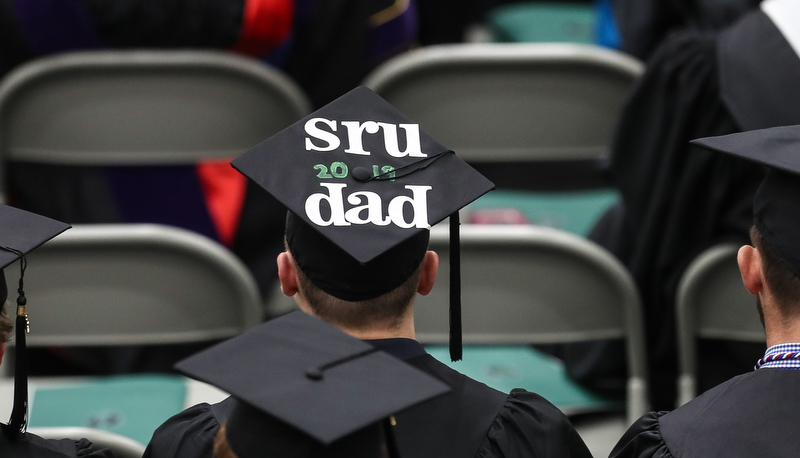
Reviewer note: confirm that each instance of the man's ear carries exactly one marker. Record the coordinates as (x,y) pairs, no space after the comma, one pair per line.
(427,278)
(287,274)
(749,260)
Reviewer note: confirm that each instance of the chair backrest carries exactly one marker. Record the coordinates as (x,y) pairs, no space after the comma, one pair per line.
(142,107)
(712,303)
(122,446)
(529,284)
(136,284)
(493,102)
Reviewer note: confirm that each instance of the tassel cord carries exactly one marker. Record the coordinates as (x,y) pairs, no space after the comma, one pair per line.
(455,288)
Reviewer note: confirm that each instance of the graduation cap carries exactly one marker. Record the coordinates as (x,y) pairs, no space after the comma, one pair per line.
(363,184)
(776,208)
(302,385)
(20,233)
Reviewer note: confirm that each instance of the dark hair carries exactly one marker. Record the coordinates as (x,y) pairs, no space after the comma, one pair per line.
(221,447)
(782,282)
(388,308)
(6,325)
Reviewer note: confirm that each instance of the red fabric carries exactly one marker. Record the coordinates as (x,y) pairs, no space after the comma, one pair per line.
(266,23)
(224,191)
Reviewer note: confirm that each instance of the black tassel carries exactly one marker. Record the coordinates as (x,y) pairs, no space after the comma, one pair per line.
(388,435)
(455,288)
(19,413)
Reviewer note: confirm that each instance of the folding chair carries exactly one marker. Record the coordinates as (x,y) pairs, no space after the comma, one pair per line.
(122,446)
(712,303)
(136,284)
(142,107)
(529,116)
(527,284)
(512,103)
(145,137)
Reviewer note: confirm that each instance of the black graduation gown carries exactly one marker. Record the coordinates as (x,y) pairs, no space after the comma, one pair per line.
(677,198)
(471,421)
(754,414)
(643,24)
(334,46)
(32,446)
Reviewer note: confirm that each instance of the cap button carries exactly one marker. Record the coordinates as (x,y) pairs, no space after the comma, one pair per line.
(314,374)
(361,174)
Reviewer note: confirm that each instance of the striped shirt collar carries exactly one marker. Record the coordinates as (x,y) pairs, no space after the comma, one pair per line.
(781,356)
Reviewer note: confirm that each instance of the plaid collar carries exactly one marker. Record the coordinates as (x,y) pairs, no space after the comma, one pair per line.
(781,356)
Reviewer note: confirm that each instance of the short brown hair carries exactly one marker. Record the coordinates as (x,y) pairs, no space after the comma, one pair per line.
(6,325)
(221,447)
(388,308)
(782,282)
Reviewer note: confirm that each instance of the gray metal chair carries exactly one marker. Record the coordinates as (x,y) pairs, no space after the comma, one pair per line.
(529,284)
(712,303)
(142,107)
(122,446)
(512,103)
(136,284)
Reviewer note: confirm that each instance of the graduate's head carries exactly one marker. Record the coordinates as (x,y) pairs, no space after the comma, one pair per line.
(774,259)
(20,233)
(303,389)
(782,283)
(347,293)
(363,185)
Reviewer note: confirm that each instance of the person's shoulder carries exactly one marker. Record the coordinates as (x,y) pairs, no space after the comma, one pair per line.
(529,425)
(477,420)
(684,421)
(743,389)
(190,433)
(460,383)
(32,446)
(747,415)
(643,439)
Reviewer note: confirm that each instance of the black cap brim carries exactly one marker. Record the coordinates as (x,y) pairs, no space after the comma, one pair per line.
(24,231)
(776,147)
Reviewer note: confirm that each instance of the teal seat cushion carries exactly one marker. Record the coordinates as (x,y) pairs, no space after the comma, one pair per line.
(543,22)
(505,367)
(132,405)
(571,211)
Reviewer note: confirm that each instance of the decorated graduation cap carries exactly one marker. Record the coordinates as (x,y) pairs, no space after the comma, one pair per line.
(20,233)
(776,208)
(305,388)
(363,184)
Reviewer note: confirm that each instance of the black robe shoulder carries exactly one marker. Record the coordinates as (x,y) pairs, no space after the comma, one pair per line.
(754,414)
(33,446)
(471,421)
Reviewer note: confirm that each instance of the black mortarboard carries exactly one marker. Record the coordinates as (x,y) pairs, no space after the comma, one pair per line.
(363,184)
(20,233)
(301,384)
(776,209)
